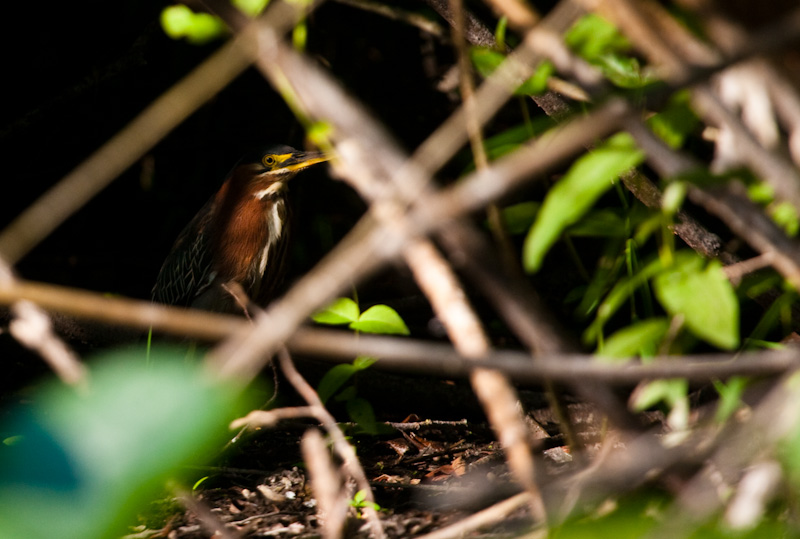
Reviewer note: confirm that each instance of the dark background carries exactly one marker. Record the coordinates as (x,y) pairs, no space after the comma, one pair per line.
(76,73)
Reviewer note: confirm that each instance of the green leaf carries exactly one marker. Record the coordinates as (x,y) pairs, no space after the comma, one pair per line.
(537,83)
(587,179)
(500,32)
(602,223)
(380,319)
(181,22)
(675,122)
(641,338)
(673,392)
(519,217)
(730,397)
(341,311)
(337,376)
(334,379)
(592,37)
(761,193)
(785,215)
(250,7)
(618,295)
(364,362)
(90,460)
(703,296)
(672,199)
(485,60)
(624,71)
(13,440)
(361,412)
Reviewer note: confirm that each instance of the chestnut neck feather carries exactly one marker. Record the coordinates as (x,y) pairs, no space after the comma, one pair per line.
(242,231)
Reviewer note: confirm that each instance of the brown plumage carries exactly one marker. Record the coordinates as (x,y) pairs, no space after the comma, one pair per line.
(239,237)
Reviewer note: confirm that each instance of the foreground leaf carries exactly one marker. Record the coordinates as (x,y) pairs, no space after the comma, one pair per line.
(639,339)
(703,296)
(380,319)
(88,462)
(341,311)
(587,179)
(336,377)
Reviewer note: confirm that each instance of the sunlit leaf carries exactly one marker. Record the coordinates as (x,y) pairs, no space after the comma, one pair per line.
(730,397)
(341,311)
(703,295)
(672,199)
(537,83)
(485,60)
(673,393)
(250,7)
(624,71)
(641,338)
(785,215)
(573,195)
(592,37)
(179,21)
(380,319)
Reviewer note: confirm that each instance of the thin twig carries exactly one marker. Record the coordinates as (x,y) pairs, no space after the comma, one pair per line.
(340,444)
(326,483)
(491,515)
(394,13)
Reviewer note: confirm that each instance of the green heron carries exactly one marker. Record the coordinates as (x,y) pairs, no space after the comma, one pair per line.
(237,241)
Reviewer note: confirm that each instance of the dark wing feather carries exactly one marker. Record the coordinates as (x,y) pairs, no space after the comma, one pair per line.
(188,271)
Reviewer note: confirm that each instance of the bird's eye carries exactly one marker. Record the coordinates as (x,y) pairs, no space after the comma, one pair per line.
(268,160)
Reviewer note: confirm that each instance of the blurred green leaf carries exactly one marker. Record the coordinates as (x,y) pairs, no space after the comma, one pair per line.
(673,392)
(618,295)
(600,223)
(761,192)
(380,319)
(592,37)
(91,459)
(638,339)
(487,60)
(341,311)
(518,218)
(180,21)
(675,122)
(632,517)
(730,397)
(334,379)
(673,197)
(364,362)
(252,8)
(337,376)
(361,412)
(703,295)
(785,215)
(300,36)
(13,440)
(500,32)
(624,71)
(588,178)
(537,83)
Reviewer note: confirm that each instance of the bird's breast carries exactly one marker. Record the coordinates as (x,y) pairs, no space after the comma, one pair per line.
(246,241)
